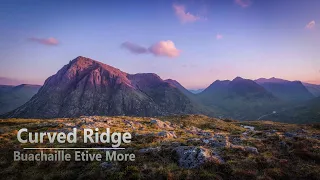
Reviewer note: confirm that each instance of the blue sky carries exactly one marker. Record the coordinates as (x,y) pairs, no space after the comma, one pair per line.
(195,41)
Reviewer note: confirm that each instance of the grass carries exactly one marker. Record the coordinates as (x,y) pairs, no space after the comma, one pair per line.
(300,159)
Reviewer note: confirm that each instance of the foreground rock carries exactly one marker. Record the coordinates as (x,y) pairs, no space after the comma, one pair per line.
(193,157)
(167,134)
(161,124)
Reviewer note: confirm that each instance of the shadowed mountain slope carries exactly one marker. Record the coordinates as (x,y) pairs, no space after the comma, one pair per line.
(290,91)
(12,97)
(241,98)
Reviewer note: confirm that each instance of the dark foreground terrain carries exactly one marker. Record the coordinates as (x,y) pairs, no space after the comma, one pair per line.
(175,147)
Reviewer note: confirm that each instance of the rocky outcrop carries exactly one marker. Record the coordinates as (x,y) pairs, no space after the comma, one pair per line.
(160,124)
(167,134)
(193,157)
(149,150)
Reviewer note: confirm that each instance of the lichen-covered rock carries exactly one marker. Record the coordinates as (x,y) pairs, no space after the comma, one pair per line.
(251,150)
(167,134)
(161,124)
(132,124)
(193,157)
(149,150)
(251,128)
(219,141)
(248,149)
(235,140)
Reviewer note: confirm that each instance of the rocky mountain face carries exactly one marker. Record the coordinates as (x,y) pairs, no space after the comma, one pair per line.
(289,91)
(88,87)
(12,97)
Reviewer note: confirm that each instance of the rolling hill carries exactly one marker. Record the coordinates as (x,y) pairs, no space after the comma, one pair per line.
(12,97)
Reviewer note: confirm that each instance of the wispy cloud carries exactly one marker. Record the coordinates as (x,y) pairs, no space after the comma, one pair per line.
(311,25)
(134,48)
(161,48)
(243,3)
(184,16)
(219,36)
(45,41)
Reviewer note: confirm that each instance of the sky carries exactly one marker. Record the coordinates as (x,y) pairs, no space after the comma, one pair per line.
(194,41)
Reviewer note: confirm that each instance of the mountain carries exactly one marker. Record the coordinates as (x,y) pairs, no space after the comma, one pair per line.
(270,80)
(201,108)
(241,98)
(12,97)
(180,87)
(196,91)
(313,89)
(290,91)
(9,81)
(308,112)
(88,87)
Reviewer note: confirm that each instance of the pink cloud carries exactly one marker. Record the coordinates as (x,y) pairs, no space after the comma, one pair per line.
(219,36)
(45,41)
(164,48)
(134,48)
(161,48)
(184,16)
(311,25)
(243,3)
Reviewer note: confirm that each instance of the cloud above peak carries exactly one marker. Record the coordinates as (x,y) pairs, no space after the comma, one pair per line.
(243,3)
(164,48)
(45,41)
(161,48)
(184,17)
(134,48)
(311,25)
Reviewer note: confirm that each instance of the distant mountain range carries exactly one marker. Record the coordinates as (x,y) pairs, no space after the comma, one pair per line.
(290,91)
(88,87)
(196,91)
(240,98)
(11,97)
(9,81)
(314,89)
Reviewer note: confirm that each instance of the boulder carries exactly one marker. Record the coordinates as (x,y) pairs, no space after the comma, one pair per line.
(248,149)
(193,157)
(161,124)
(167,134)
(251,128)
(149,150)
(251,150)
(219,141)
(133,124)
